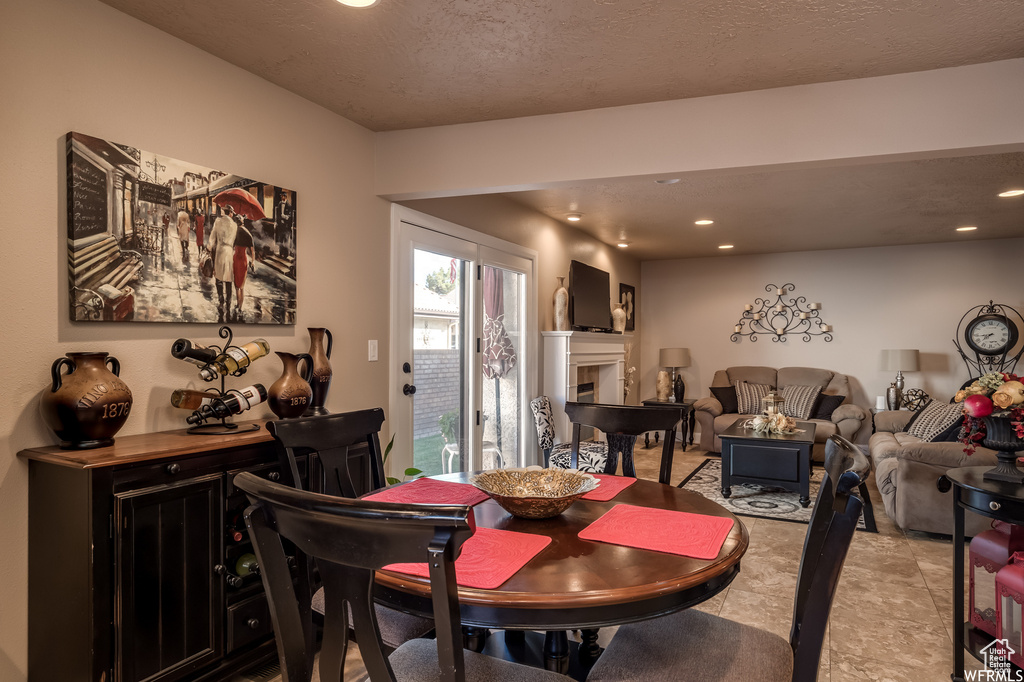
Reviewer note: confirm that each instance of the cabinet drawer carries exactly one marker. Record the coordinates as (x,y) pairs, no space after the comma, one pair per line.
(172,469)
(248,621)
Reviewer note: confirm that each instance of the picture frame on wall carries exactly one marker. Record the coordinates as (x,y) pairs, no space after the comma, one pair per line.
(151,238)
(627,297)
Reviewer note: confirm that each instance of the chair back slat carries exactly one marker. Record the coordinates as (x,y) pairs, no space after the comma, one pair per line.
(621,425)
(350,539)
(337,439)
(829,534)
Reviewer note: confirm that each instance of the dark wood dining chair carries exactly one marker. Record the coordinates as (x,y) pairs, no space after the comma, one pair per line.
(713,648)
(621,425)
(347,449)
(351,539)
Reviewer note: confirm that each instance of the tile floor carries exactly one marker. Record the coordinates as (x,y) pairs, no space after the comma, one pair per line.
(892,616)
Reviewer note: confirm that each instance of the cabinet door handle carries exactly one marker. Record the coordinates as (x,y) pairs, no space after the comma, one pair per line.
(253,623)
(994,506)
(274,476)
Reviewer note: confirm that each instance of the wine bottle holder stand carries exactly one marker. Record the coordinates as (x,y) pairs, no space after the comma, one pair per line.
(215,424)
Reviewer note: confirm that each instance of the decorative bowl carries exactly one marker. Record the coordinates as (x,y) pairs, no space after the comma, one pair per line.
(535,492)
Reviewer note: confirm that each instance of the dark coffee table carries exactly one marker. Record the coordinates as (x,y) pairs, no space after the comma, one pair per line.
(782,460)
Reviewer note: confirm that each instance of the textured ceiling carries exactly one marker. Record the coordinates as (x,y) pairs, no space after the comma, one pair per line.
(419,63)
(778,211)
(416,63)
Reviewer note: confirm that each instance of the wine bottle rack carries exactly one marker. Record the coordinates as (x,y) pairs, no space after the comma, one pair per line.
(210,423)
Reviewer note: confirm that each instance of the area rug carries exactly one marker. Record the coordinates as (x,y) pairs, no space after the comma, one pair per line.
(751,499)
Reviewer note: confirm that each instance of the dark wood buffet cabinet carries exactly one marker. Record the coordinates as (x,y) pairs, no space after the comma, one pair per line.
(138,559)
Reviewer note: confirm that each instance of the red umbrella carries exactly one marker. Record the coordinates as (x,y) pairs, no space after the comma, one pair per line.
(242,202)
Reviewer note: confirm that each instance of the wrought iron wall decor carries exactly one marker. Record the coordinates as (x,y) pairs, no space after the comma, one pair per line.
(990,333)
(779,317)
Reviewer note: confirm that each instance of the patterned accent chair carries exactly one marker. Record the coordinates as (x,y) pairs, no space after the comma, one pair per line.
(593,456)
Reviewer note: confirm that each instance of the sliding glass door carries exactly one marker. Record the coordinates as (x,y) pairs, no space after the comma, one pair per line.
(459,353)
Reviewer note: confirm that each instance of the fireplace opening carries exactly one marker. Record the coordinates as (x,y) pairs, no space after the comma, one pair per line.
(585,394)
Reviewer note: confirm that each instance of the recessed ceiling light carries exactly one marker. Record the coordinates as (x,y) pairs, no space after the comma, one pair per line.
(623,245)
(704,222)
(667,181)
(1012,193)
(574,217)
(725,246)
(968,228)
(359,3)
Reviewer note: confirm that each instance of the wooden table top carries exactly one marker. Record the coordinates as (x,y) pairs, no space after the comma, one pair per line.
(577,583)
(737,431)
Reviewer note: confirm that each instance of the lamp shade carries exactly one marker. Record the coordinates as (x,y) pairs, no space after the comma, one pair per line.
(674,357)
(904,359)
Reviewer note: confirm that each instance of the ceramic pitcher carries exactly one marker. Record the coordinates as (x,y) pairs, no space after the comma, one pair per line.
(290,395)
(322,371)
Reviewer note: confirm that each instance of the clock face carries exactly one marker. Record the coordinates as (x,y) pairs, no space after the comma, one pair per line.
(991,334)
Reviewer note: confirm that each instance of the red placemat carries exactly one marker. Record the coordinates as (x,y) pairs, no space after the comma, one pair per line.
(489,558)
(611,486)
(430,491)
(661,530)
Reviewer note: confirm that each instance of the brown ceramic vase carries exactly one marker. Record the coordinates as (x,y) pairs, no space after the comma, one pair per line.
(291,394)
(89,404)
(322,371)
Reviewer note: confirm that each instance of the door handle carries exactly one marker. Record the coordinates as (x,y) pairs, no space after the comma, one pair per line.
(408,389)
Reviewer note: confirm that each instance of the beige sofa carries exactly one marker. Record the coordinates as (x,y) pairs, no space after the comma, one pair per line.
(906,471)
(846,420)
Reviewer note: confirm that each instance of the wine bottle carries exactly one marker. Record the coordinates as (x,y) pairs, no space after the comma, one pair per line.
(247,565)
(187,399)
(235,358)
(186,350)
(232,402)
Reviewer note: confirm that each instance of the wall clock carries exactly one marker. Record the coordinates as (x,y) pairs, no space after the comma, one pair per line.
(991,334)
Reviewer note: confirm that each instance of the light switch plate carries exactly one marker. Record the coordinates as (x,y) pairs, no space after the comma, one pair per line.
(372,350)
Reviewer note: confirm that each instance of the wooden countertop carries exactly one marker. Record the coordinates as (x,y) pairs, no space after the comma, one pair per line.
(145,447)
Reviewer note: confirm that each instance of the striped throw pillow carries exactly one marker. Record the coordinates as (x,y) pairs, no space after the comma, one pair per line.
(749,396)
(934,419)
(800,401)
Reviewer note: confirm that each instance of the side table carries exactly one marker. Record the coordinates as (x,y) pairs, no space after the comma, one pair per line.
(996,500)
(686,415)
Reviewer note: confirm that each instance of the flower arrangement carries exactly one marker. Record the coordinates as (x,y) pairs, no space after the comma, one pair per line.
(772,423)
(996,394)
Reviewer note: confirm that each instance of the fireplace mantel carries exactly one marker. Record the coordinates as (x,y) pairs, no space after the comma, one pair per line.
(564,353)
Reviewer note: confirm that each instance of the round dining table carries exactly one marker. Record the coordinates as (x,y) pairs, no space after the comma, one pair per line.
(581,584)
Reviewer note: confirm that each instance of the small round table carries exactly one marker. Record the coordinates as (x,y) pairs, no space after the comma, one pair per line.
(578,584)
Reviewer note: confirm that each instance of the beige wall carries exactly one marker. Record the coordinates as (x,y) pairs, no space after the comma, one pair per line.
(79,65)
(555,242)
(878,298)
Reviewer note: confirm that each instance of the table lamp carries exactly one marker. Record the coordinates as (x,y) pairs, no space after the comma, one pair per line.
(898,361)
(674,358)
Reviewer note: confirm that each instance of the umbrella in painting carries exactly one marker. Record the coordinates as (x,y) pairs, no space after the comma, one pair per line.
(499,353)
(243,203)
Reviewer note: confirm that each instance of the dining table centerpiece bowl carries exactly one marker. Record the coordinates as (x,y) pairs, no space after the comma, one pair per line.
(535,492)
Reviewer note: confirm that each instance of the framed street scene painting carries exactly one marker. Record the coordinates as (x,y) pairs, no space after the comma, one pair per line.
(155,239)
(627,297)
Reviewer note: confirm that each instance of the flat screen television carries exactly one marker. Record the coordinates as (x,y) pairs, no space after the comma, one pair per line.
(589,300)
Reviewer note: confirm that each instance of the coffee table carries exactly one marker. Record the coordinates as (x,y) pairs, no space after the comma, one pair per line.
(782,460)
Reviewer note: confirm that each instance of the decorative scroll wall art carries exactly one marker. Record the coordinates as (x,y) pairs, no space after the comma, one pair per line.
(780,317)
(155,239)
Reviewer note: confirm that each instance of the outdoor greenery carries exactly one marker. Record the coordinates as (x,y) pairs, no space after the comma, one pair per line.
(440,282)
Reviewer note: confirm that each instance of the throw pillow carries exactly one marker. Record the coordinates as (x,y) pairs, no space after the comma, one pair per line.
(934,419)
(827,405)
(800,401)
(727,396)
(749,396)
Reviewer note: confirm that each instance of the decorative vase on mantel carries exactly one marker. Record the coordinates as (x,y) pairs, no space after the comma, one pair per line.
(561,306)
(89,404)
(618,318)
(1002,437)
(322,371)
(290,395)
